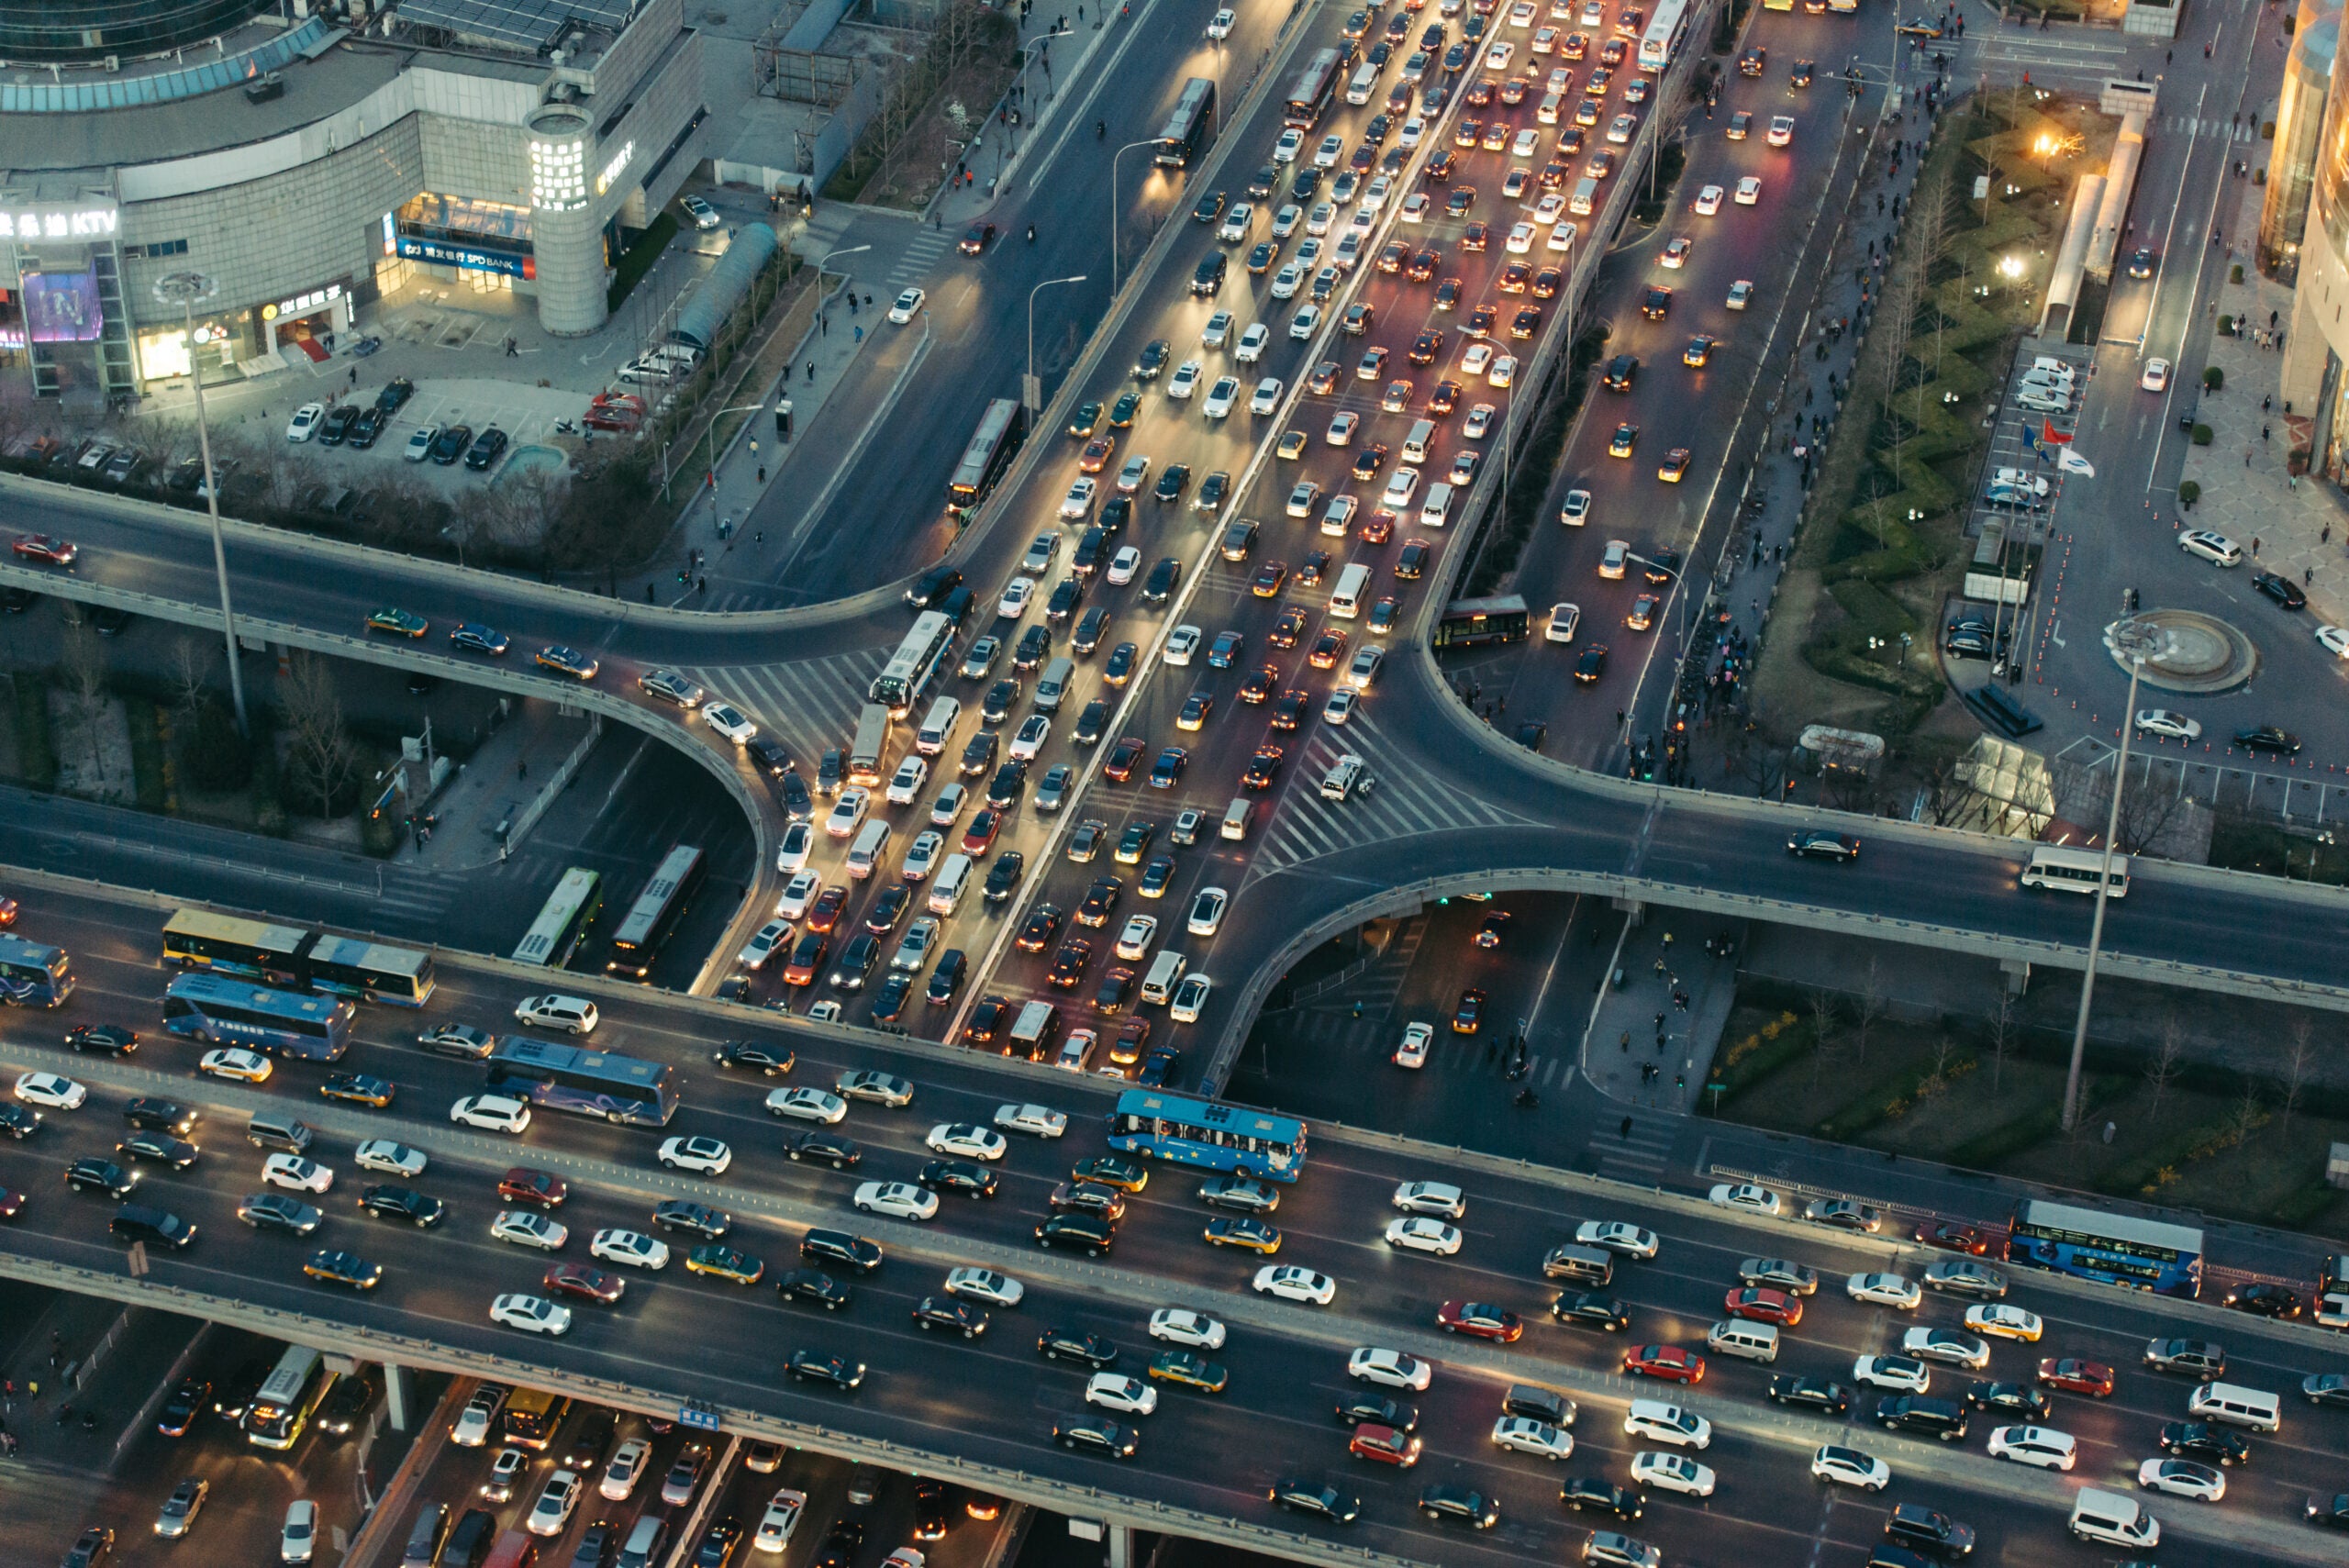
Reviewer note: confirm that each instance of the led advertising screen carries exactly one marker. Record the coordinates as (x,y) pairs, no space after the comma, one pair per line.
(61,307)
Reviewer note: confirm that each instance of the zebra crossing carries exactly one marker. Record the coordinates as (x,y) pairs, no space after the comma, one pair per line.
(809,703)
(1638,1155)
(1337,1032)
(1406,802)
(2208,126)
(909,261)
(919,258)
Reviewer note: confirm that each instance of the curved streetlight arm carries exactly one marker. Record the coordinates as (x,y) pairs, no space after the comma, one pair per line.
(1033,391)
(187,290)
(1149,142)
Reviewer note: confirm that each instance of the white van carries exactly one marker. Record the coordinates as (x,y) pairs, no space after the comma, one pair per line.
(1585,198)
(872,843)
(937,726)
(1437,508)
(2113,1517)
(1415,445)
(1550,104)
(946,887)
(1053,683)
(1237,815)
(1165,974)
(1345,599)
(1344,777)
(1364,84)
(1736,1337)
(2236,1406)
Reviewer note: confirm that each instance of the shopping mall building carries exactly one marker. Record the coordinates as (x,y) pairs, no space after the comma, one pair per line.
(304,159)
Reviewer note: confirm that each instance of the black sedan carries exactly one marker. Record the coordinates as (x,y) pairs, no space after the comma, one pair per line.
(1592,664)
(112,1039)
(1378,1411)
(144,1148)
(2282,590)
(693,1219)
(18,1122)
(2268,738)
(2264,1300)
(754,1056)
(187,1403)
(387,1201)
(951,1314)
(1595,1494)
(1085,1232)
(1090,1434)
(1459,1504)
(1068,1344)
(813,1366)
(2141,263)
(1301,1496)
(821,1144)
(1811,1393)
(451,444)
(815,1287)
(1591,1310)
(2200,1439)
(100,1176)
(2331,1512)
(960,1176)
(486,450)
(278,1211)
(2019,1399)
(1819,844)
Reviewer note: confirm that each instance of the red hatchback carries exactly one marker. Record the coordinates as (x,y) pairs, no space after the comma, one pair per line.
(1122,758)
(1950,1237)
(585,1283)
(979,837)
(541,1189)
(1764,1305)
(46,548)
(1667,1361)
(2073,1375)
(1483,1321)
(1371,1441)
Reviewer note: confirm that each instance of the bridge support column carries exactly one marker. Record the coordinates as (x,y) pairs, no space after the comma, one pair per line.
(2018,974)
(1635,911)
(1121,1545)
(398,1398)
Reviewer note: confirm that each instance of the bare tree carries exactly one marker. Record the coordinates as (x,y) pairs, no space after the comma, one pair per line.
(323,756)
(2147,813)
(2002,1039)
(2296,1068)
(2162,1071)
(1822,1030)
(82,664)
(2245,1119)
(1870,1007)
(1936,1082)
(190,677)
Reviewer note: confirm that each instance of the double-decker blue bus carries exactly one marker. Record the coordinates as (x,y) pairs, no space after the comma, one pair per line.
(622,1089)
(298,957)
(2144,1254)
(1201,1132)
(32,975)
(220,1009)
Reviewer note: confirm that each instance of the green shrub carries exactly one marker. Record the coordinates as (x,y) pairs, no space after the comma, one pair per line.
(2201,435)
(2226,326)
(2234,274)
(2213,378)
(2189,492)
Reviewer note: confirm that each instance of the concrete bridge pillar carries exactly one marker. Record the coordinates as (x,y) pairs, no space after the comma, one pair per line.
(398,1398)
(2018,974)
(1121,1545)
(1634,910)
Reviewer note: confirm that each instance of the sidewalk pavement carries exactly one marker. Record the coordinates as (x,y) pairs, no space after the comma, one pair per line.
(1651,1040)
(68,1331)
(2297,528)
(1060,41)
(521,764)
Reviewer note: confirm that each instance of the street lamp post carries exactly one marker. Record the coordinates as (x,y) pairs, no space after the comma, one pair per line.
(1034,389)
(186,290)
(2103,891)
(1149,141)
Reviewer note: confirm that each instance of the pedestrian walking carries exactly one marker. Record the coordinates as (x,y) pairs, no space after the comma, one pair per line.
(811,372)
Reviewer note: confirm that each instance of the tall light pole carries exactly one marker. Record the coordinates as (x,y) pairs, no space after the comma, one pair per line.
(1152,141)
(187,290)
(848,250)
(1032,390)
(2103,890)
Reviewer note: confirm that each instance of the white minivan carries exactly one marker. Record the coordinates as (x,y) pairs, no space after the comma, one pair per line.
(2113,1517)
(1166,973)
(946,887)
(937,726)
(1437,508)
(872,843)
(1345,599)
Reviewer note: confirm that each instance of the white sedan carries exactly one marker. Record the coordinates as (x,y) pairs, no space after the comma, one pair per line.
(702,1155)
(630,1248)
(1946,1345)
(2335,639)
(557,1498)
(1220,397)
(527,1227)
(1178,1326)
(762,945)
(1749,191)
(380,1154)
(1418,1040)
(1709,201)
(49,1089)
(1207,911)
(2155,376)
(1076,503)
(306,421)
(2042,1446)
(1526,1435)
(2176,725)
(1884,1290)
(968,1140)
(238,1064)
(1252,343)
(1898,1373)
(1431,1197)
(1392,1369)
(908,304)
(2182,1478)
(1018,595)
(1422,1233)
(806,1105)
(881,1088)
(1745,1196)
(1115,1391)
(1617,1236)
(1028,743)
(1186,380)
(296,1173)
(1675,1473)
(1182,643)
(532,1314)
(1221,26)
(907,781)
(985,1284)
(1036,1120)
(1564,617)
(1291,1283)
(624,1472)
(2004,1323)
(1474,363)
(729,721)
(492,1113)
(901,1200)
(780,1519)
(1850,1467)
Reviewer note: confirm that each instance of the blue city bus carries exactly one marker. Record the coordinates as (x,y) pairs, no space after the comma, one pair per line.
(2144,1254)
(625,1090)
(220,1009)
(1200,1132)
(32,975)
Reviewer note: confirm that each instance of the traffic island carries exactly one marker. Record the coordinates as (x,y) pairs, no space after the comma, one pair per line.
(2183,650)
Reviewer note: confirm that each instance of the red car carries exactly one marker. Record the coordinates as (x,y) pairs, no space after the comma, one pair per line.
(541,1189)
(979,837)
(46,548)
(825,913)
(1667,1361)
(2073,1375)
(1483,1321)
(1950,1237)
(1371,1441)
(8,912)
(1764,1305)
(12,1202)
(585,1283)
(1122,758)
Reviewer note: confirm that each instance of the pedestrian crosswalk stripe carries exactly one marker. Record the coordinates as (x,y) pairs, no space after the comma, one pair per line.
(811,703)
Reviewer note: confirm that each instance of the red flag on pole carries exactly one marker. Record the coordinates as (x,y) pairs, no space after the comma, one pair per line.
(2049,434)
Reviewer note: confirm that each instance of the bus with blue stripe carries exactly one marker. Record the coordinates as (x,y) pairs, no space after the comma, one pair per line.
(625,1090)
(32,975)
(221,1009)
(2115,1248)
(1204,1133)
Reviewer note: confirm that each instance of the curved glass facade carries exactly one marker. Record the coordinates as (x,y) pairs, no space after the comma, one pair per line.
(2291,168)
(89,31)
